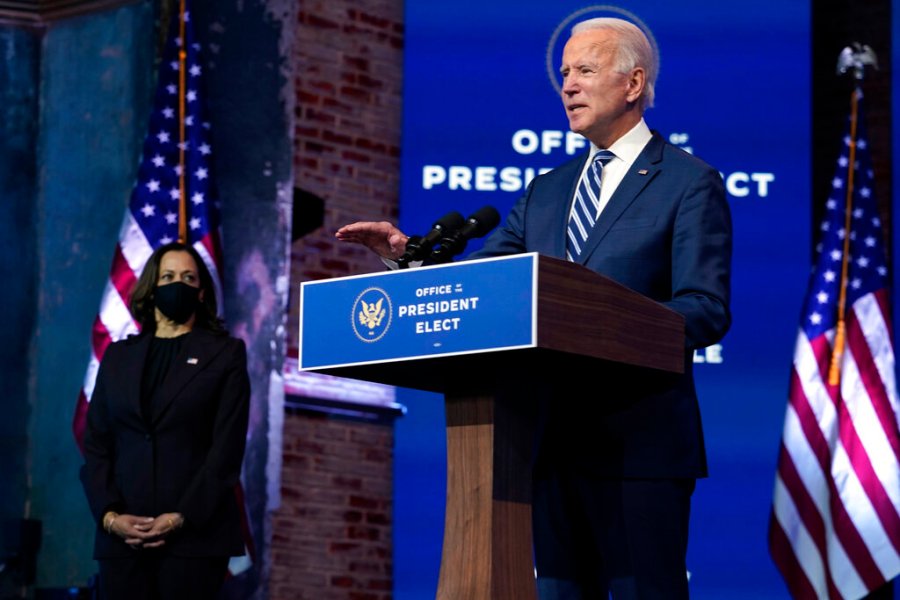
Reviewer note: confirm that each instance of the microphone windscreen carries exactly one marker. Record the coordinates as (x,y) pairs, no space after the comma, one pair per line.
(449,222)
(486,218)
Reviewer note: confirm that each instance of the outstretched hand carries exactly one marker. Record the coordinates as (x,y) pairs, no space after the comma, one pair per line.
(380,237)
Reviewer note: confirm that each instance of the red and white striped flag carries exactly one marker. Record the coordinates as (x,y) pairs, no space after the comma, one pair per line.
(835,524)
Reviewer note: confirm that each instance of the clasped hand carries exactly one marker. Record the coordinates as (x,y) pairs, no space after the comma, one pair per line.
(145,532)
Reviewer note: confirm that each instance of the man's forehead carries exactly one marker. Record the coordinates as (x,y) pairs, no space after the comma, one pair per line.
(594,42)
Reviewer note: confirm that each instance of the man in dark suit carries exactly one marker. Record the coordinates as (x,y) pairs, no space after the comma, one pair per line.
(612,495)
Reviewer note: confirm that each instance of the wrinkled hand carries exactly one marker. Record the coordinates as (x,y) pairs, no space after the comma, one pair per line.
(381,237)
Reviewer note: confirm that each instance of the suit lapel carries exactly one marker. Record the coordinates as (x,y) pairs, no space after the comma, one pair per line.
(644,169)
(195,356)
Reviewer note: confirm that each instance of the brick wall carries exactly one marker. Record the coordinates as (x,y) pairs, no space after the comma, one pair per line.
(331,537)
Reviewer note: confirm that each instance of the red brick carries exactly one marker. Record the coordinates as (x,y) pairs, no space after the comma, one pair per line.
(322,86)
(355,156)
(363,502)
(363,533)
(337,138)
(343,582)
(343,547)
(356,63)
(347,483)
(377,519)
(380,584)
(317,22)
(353,516)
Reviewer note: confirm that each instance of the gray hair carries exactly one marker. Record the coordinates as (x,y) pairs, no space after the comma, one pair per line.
(633,51)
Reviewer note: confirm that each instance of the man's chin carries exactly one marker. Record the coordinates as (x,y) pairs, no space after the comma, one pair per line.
(576,126)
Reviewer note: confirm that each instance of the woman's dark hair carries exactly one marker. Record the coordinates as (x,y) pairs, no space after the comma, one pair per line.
(142,306)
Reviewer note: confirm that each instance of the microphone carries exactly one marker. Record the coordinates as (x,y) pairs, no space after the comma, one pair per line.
(418,247)
(478,224)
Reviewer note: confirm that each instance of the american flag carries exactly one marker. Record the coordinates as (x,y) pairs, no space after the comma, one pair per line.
(835,524)
(175,164)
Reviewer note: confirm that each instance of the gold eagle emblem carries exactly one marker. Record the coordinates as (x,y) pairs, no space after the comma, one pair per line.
(371,314)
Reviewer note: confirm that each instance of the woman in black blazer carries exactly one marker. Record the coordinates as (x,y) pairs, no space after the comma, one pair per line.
(165,438)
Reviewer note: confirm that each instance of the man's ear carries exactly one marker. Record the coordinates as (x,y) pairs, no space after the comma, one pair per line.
(636,82)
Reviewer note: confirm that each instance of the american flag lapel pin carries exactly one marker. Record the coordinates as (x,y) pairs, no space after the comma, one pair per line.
(192,361)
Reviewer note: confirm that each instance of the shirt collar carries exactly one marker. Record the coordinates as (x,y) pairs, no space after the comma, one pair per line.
(629,146)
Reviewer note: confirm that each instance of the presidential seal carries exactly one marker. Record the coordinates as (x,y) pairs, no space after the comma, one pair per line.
(371,314)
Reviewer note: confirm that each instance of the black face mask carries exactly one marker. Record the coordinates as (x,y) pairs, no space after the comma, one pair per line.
(178,301)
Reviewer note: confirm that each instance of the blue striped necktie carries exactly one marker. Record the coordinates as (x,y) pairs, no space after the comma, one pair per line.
(586,207)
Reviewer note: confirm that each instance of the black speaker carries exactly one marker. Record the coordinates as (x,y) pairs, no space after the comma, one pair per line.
(308,213)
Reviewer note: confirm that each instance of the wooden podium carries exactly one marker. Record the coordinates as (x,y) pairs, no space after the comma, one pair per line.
(491,396)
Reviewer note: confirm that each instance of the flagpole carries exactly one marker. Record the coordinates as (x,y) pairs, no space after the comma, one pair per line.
(834,372)
(856,58)
(182,59)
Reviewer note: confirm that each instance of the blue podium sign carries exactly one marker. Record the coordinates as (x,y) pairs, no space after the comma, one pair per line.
(466,307)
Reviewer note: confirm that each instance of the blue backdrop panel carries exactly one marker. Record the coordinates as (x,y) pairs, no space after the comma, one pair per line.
(482,115)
